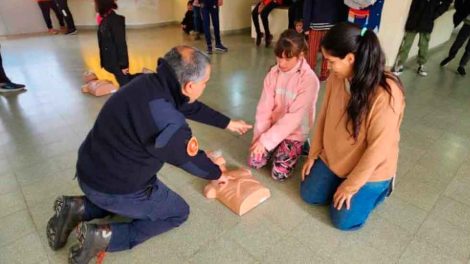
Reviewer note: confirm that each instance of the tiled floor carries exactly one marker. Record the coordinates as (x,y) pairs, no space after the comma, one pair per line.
(427,219)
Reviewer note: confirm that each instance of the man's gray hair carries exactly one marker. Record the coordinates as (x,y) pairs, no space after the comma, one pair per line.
(189,63)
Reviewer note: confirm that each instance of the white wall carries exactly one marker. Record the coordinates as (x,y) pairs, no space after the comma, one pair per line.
(235,14)
(394,18)
(20,16)
(137,12)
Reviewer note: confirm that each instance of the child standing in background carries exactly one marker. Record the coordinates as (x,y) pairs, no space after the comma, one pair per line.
(210,11)
(286,109)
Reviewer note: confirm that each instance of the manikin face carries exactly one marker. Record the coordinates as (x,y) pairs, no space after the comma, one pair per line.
(194,90)
(342,68)
(287,64)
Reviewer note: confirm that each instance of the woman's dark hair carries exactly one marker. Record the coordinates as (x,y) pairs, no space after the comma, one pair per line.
(369,68)
(104,6)
(290,44)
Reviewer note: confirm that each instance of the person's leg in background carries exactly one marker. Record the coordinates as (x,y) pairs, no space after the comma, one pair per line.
(462,36)
(255,18)
(121,78)
(206,22)
(45,10)
(59,15)
(3,76)
(314,40)
(404,51)
(268,38)
(465,59)
(64,8)
(197,21)
(324,72)
(423,52)
(214,12)
(291,16)
(6,85)
(295,12)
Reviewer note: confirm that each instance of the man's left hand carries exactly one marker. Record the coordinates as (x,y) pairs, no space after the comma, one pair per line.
(239,126)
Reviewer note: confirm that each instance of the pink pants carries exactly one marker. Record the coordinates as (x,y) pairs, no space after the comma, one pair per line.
(285,157)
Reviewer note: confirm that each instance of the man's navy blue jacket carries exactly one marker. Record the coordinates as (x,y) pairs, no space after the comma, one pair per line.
(141,127)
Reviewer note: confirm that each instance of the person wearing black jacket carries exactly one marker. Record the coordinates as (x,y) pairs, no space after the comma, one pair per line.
(420,21)
(462,13)
(112,41)
(139,129)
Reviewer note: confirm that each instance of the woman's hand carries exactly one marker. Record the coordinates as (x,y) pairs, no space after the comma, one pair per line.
(306,168)
(257,150)
(343,196)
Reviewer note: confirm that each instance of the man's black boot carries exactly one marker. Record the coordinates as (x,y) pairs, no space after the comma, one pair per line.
(69,211)
(92,242)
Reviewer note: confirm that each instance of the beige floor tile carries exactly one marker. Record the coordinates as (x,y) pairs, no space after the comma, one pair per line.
(401,213)
(446,237)
(290,250)
(8,183)
(15,226)
(11,202)
(256,234)
(222,251)
(27,249)
(456,213)
(422,252)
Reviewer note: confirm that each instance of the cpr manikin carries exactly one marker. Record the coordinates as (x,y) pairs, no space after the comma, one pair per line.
(97,87)
(241,193)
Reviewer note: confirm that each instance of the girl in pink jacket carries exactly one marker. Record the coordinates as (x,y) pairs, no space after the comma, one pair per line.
(286,109)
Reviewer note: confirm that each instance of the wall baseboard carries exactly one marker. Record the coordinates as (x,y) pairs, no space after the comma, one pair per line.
(147,26)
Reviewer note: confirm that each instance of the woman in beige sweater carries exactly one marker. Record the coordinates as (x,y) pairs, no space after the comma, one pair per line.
(354,153)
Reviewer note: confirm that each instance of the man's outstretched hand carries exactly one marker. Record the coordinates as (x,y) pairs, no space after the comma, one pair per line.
(239,126)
